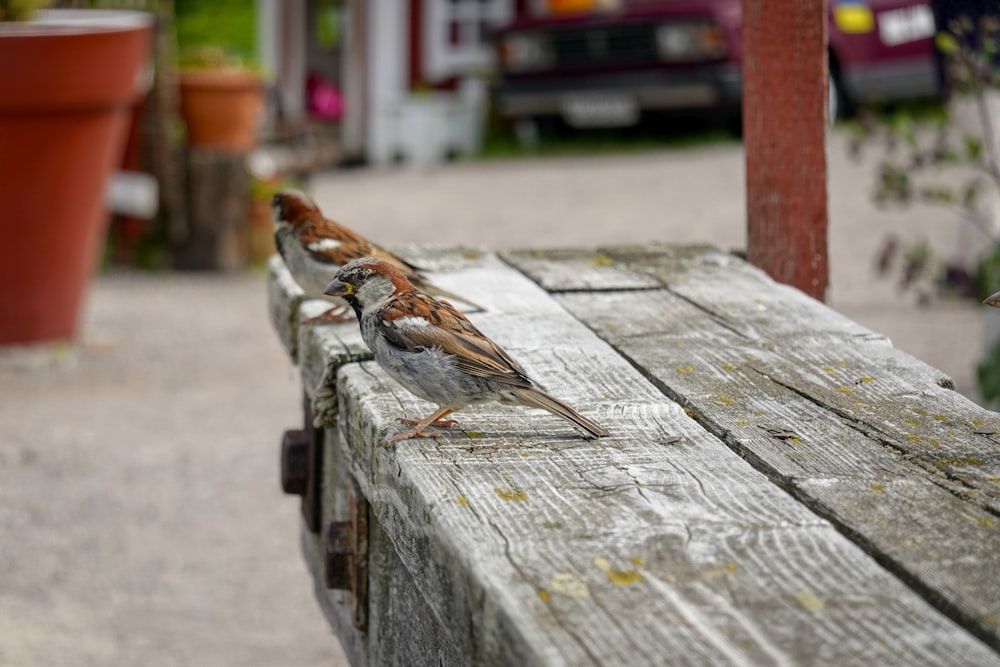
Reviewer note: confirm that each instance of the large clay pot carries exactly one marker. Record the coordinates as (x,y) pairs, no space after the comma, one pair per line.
(222,108)
(67,85)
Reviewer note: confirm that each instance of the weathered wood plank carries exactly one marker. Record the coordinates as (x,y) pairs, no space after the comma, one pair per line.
(284,298)
(856,429)
(744,299)
(537,547)
(600,270)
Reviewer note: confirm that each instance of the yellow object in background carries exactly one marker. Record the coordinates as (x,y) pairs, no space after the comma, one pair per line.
(577,6)
(853,17)
(569,6)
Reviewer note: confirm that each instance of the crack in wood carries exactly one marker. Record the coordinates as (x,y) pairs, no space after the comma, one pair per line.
(898,568)
(568,628)
(718,318)
(966,493)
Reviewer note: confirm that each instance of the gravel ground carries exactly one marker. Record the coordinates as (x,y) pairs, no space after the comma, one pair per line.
(140,514)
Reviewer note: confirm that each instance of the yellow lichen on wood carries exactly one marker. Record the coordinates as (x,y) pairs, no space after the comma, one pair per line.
(620,577)
(810,601)
(569,584)
(513,495)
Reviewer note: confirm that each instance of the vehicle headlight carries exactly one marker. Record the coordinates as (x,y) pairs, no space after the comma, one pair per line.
(685,42)
(524,52)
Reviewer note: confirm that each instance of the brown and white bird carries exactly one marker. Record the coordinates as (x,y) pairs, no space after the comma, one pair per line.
(314,247)
(431,349)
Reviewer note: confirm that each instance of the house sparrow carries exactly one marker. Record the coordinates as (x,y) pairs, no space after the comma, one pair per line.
(434,351)
(314,247)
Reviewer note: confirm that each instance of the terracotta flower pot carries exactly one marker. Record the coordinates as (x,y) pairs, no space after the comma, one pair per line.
(222,108)
(64,106)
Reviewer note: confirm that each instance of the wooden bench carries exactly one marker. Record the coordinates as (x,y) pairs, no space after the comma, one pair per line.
(783,487)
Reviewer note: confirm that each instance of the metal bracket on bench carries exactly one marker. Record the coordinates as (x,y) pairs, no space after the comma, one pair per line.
(345,554)
(302,465)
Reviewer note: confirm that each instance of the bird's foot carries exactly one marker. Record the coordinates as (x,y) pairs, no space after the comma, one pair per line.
(406,435)
(436,419)
(440,423)
(335,315)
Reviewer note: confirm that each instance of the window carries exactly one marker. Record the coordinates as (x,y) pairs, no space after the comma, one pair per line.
(457,35)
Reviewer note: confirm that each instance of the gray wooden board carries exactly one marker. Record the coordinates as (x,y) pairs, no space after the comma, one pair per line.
(537,547)
(401,631)
(284,297)
(744,299)
(860,431)
(883,392)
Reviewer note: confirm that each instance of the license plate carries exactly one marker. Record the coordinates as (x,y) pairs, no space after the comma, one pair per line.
(908,24)
(600,110)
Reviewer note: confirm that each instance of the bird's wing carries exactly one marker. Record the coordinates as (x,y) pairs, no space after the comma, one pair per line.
(324,242)
(419,322)
(332,243)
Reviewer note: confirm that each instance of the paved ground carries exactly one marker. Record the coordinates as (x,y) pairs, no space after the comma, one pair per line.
(140,517)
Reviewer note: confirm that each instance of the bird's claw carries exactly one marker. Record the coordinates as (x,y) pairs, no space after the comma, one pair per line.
(440,423)
(406,435)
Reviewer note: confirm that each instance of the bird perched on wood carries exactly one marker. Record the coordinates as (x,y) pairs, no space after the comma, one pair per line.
(430,348)
(314,247)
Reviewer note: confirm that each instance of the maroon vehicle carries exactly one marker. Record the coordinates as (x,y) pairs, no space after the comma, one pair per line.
(603,63)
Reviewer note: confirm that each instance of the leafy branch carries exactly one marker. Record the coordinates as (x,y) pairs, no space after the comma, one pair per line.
(921,153)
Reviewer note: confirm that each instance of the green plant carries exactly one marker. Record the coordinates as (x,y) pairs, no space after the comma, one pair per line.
(212,56)
(20,10)
(227,24)
(263,189)
(928,160)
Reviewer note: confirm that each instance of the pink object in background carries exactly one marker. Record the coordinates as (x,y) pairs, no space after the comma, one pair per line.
(324,99)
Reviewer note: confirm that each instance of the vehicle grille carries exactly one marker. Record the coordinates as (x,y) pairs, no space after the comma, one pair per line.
(604,45)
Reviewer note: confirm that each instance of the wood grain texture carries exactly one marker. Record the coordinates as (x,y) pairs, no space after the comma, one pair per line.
(861,432)
(284,298)
(659,545)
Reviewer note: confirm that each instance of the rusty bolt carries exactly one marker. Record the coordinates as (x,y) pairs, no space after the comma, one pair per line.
(338,550)
(294,462)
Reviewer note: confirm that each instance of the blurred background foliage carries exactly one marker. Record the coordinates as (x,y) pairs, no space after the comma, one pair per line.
(227,24)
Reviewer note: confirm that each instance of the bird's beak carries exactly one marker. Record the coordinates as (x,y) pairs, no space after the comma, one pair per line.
(993,300)
(337,288)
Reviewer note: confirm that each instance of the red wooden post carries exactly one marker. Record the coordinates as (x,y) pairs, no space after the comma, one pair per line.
(784,123)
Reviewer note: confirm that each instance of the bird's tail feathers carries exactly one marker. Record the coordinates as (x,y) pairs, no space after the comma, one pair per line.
(538,398)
